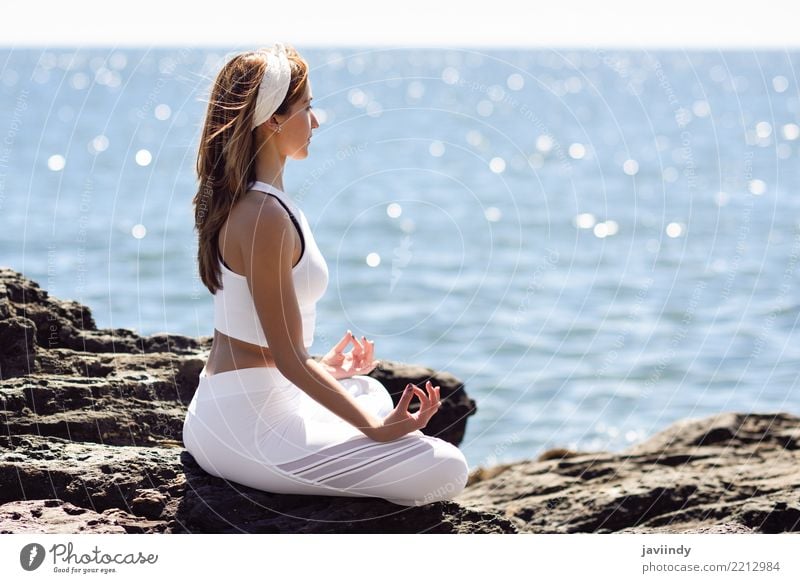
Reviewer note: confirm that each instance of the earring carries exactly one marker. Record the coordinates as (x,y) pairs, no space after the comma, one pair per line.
(279,129)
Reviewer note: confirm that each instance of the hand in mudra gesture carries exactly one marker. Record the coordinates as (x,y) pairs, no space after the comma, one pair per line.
(343,364)
(400,422)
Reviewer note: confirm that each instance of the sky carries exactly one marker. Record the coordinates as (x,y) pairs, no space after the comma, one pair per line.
(237,24)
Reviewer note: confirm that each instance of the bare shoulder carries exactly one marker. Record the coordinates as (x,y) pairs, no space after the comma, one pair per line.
(263,227)
(253,213)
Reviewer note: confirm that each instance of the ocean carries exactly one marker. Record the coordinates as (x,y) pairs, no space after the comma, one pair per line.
(598,243)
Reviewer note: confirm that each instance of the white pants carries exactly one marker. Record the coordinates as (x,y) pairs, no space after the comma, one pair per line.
(254,427)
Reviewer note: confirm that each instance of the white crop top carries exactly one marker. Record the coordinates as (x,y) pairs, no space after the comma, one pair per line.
(234,311)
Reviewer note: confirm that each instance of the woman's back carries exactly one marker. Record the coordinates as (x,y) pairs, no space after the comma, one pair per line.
(234,308)
(237,323)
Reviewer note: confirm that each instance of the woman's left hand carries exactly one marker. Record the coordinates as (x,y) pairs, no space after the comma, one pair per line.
(358,361)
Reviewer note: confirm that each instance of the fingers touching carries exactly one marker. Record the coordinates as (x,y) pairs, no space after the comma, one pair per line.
(430,401)
(363,350)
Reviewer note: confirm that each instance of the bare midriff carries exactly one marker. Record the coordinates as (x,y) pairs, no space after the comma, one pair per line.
(229,354)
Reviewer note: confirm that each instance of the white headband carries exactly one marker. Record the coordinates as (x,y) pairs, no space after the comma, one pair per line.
(275,84)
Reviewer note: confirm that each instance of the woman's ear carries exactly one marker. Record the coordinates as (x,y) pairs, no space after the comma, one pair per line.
(273,125)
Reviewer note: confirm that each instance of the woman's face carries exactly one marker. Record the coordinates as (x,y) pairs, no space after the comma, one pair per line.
(296,127)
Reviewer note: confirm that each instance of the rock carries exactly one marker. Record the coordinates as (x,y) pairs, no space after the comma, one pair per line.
(95,418)
(729,473)
(54,517)
(64,377)
(162,490)
(93,444)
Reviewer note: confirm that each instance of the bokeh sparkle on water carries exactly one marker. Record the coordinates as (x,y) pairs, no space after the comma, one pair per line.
(598,243)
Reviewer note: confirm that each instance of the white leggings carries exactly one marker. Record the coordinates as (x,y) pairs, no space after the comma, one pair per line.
(254,427)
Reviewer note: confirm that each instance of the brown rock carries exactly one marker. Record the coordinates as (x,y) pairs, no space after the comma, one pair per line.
(53,517)
(728,473)
(94,420)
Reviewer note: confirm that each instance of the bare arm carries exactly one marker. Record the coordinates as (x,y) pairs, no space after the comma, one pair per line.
(268,268)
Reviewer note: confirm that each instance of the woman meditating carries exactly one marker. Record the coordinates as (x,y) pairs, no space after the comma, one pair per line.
(266,414)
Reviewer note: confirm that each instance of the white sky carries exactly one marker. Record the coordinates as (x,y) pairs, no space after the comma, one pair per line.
(491,23)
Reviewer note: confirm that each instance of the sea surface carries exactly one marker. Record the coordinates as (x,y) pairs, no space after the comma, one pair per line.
(597,242)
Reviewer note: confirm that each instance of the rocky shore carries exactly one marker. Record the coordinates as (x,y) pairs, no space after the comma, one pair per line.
(93,444)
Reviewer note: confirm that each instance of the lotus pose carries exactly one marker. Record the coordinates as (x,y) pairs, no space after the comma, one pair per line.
(266,414)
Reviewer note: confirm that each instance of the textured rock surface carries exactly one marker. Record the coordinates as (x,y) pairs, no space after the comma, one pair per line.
(93,436)
(728,473)
(93,444)
(63,377)
(52,517)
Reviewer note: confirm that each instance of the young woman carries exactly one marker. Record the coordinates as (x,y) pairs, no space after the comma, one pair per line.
(266,414)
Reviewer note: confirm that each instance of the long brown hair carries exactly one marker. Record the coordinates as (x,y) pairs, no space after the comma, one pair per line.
(228,146)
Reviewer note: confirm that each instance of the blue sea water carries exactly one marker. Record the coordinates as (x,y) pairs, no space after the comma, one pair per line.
(598,243)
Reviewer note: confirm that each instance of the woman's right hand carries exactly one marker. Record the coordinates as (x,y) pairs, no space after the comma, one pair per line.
(400,422)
